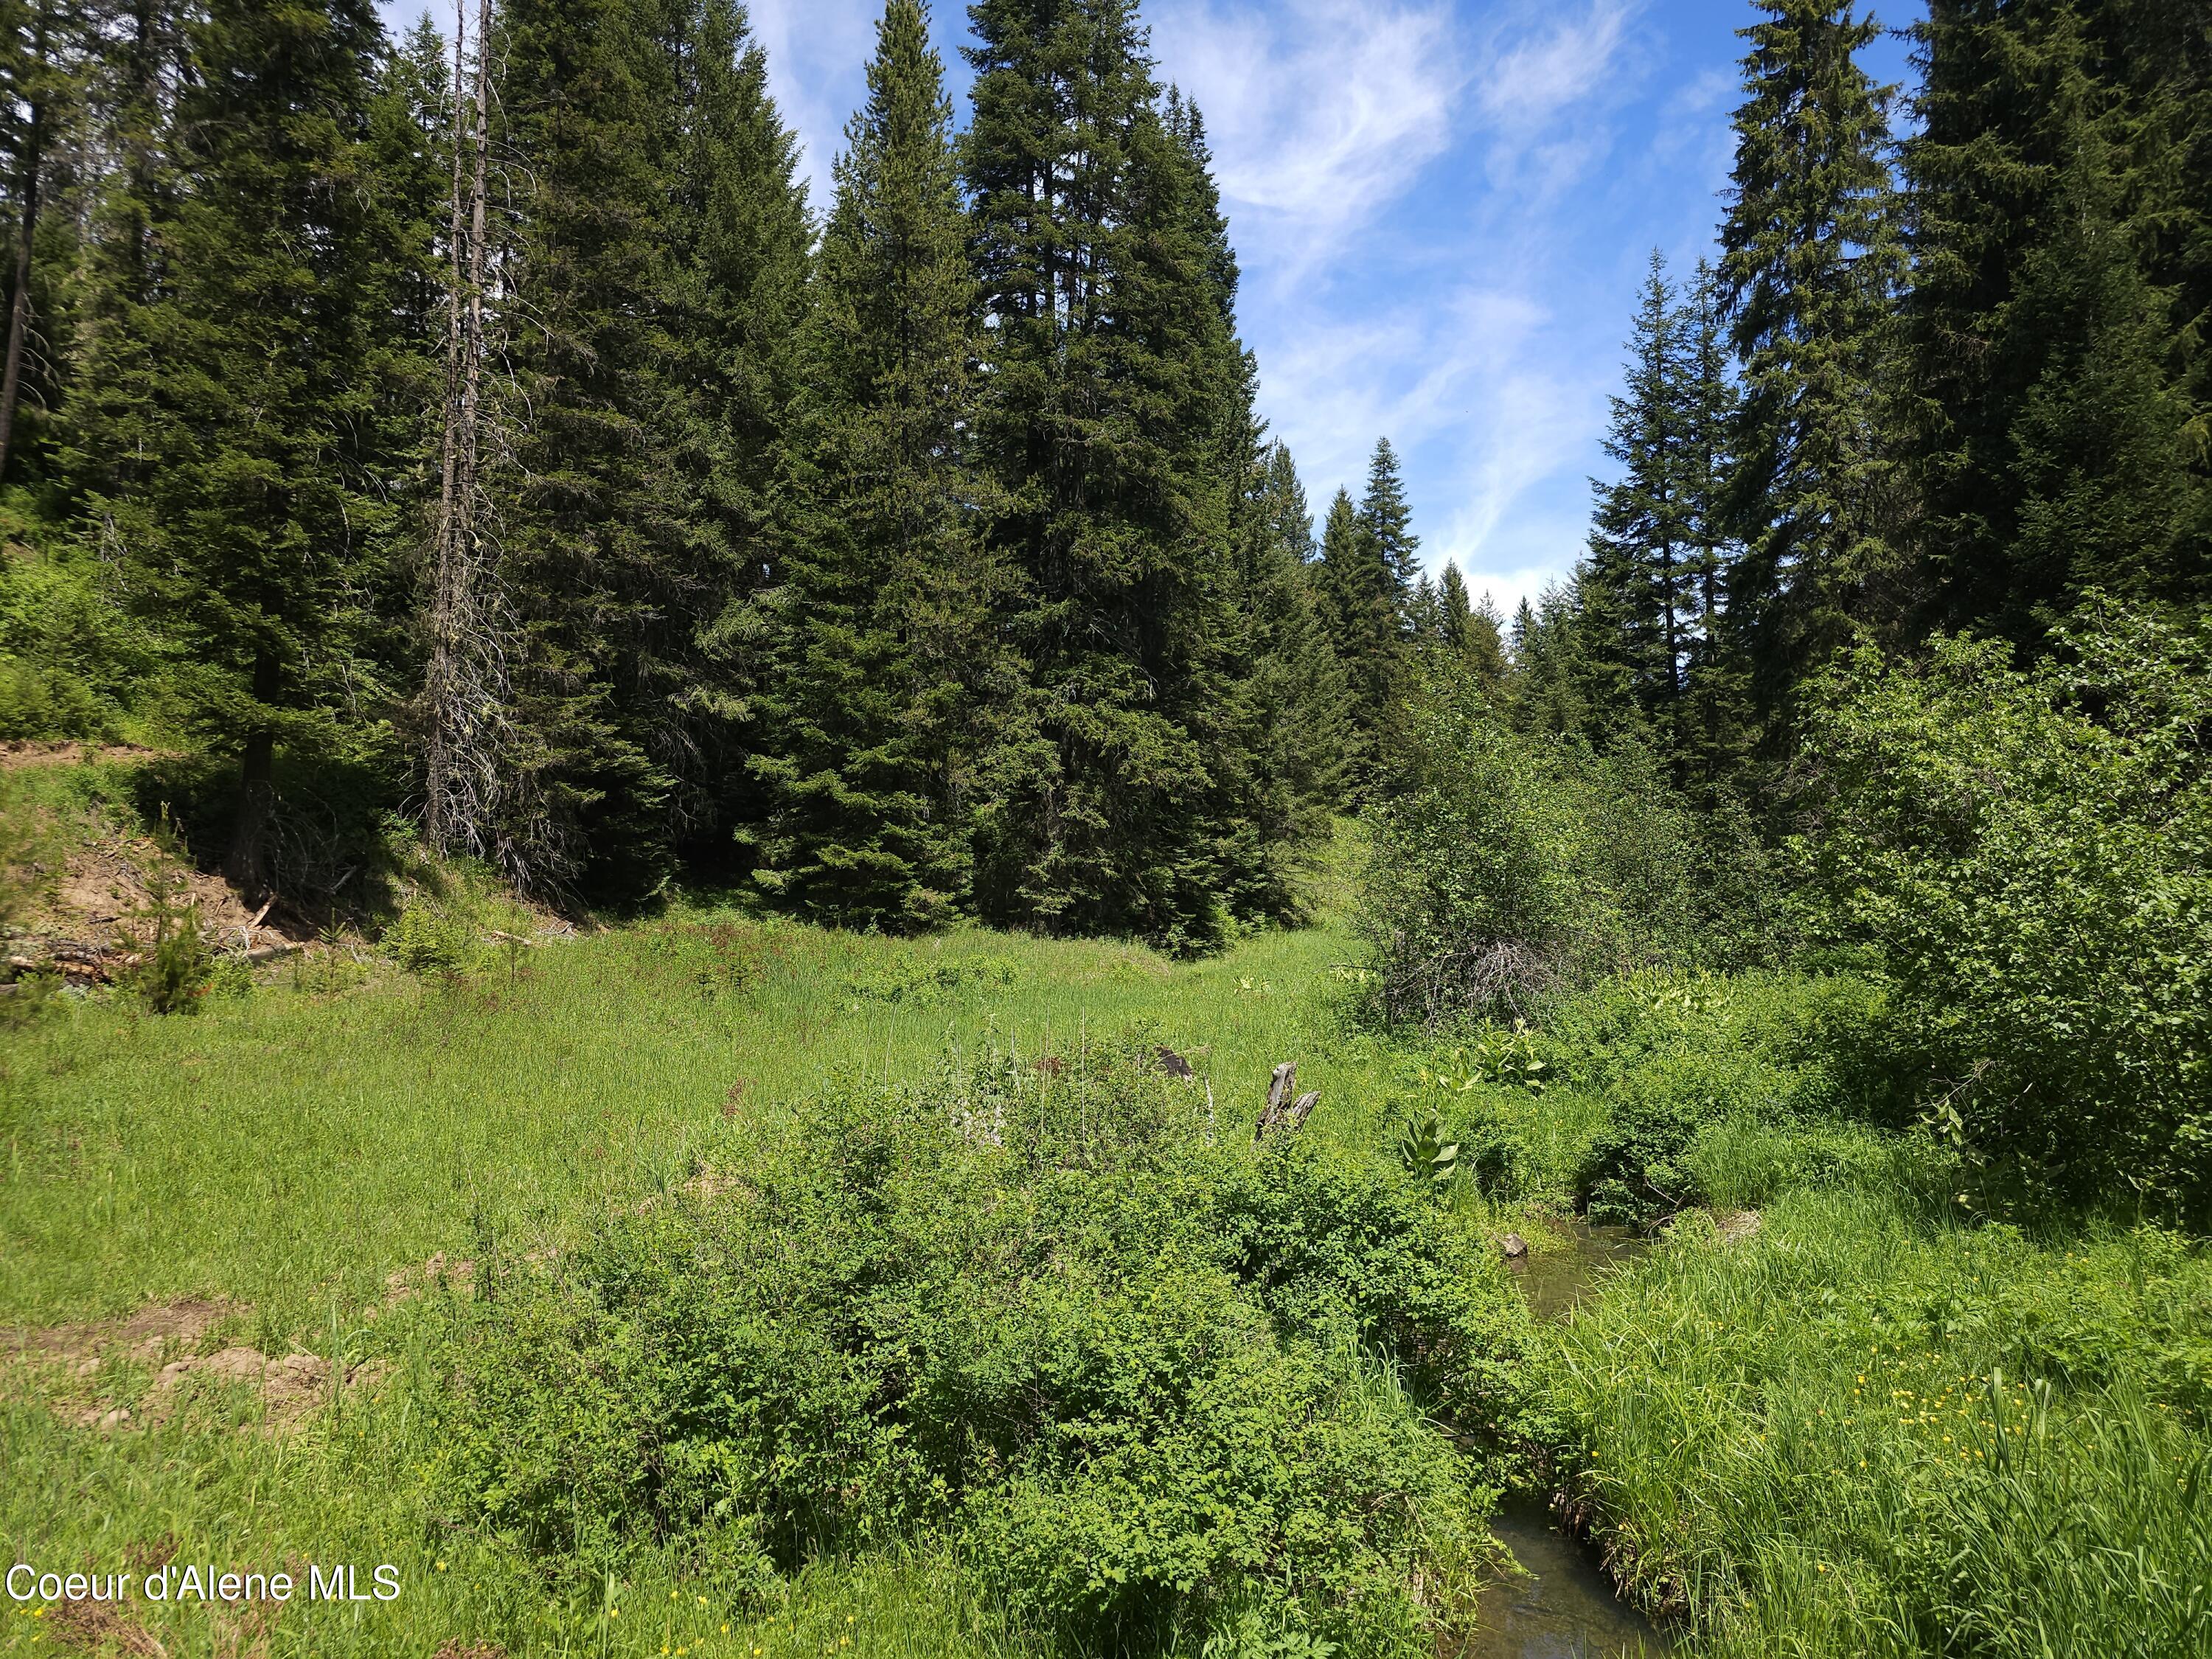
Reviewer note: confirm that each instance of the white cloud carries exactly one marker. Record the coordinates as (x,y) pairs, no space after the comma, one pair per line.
(1321,112)
(1486,402)
(818,52)
(1528,84)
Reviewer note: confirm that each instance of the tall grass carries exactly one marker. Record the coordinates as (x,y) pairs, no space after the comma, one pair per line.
(1862,1432)
(293,1148)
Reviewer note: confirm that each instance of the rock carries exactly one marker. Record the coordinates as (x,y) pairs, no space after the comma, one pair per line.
(1515,1246)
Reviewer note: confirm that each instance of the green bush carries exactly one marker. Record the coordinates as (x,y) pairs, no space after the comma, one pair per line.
(1147,1383)
(179,965)
(1512,864)
(434,937)
(2025,853)
(69,658)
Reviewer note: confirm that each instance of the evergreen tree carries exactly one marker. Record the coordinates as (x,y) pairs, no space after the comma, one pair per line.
(41,67)
(1384,516)
(892,658)
(133,81)
(1370,577)
(1298,729)
(1364,615)
(407,154)
(2052,198)
(652,282)
(1811,264)
(1712,735)
(247,396)
(1634,587)
(1548,690)
(1112,374)
(1468,638)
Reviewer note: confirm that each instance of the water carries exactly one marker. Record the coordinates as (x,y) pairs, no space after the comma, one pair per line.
(1565,1607)
(1566,1610)
(1554,1280)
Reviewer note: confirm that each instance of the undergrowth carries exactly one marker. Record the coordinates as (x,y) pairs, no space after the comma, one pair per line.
(1155,1388)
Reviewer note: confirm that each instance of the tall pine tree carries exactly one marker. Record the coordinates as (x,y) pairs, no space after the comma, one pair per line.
(1811,262)
(1634,581)
(651,288)
(1112,368)
(246,394)
(891,664)
(2059,443)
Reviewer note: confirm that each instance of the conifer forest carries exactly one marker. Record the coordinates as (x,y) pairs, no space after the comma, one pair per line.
(727,928)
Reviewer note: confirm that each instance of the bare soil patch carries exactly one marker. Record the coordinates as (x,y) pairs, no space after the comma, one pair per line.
(97,1627)
(17,756)
(75,1364)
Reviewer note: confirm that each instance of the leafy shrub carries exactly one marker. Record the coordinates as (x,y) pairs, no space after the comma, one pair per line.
(1149,1383)
(70,657)
(2026,853)
(1513,864)
(1646,1093)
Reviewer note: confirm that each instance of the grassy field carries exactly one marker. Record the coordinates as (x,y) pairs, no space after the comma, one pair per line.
(287,1150)
(1834,1411)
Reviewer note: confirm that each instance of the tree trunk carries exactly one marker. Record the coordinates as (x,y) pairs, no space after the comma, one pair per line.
(19,310)
(246,866)
(442,806)
(456,687)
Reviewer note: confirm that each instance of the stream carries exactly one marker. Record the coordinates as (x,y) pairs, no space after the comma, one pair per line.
(1565,1609)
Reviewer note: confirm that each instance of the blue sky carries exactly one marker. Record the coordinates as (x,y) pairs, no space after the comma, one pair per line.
(1444,208)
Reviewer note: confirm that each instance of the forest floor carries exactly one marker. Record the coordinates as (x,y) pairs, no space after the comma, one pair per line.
(225,1239)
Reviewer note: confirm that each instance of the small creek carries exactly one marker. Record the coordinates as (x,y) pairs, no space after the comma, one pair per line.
(1565,1609)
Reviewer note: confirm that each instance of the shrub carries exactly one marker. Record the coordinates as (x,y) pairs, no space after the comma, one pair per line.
(1147,1383)
(2026,853)
(178,967)
(434,937)
(1513,864)
(69,657)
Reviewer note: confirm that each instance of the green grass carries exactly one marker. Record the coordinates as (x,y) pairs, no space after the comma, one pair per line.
(1866,1432)
(290,1148)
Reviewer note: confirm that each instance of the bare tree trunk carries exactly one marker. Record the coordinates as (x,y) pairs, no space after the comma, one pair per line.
(472,377)
(459,686)
(19,311)
(441,680)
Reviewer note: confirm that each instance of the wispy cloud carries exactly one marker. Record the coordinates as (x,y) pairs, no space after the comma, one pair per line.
(817,54)
(1321,112)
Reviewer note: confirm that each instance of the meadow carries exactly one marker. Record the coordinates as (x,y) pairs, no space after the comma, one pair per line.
(1840,1405)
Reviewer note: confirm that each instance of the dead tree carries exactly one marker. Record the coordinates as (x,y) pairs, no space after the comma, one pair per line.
(1283,1114)
(465,686)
